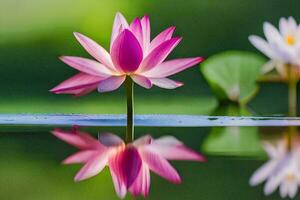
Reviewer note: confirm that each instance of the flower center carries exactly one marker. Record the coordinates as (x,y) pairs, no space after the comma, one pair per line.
(290,177)
(290,40)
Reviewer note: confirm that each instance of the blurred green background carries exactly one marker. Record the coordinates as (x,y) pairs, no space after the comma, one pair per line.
(33,33)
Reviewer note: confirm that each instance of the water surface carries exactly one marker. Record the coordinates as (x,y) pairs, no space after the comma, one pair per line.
(31,159)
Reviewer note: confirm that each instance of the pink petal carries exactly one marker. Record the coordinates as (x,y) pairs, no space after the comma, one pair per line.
(125,165)
(131,163)
(82,91)
(126,52)
(146,139)
(171,67)
(172,149)
(166,83)
(162,37)
(110,84)
(159,54)
(80,157)
(145,22)
(117,178)
(109,139)
(167,141)
(93,167)
(142,183)
(120,23)
(86,137)
(142,81)
(95,50)
(87,66)
(136,28)
(160,166)
(78,139)
(79,81)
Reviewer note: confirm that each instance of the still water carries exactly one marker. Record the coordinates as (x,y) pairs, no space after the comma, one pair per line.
(31,164)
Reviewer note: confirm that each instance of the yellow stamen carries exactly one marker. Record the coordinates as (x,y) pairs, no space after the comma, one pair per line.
(290,40)
(291,177)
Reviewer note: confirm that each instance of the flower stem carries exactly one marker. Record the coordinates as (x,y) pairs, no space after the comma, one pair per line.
(292,131)
(292,103)
(129,137)
(292,92)
(272,78)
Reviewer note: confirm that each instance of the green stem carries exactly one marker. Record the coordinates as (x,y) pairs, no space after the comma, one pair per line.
(129,137)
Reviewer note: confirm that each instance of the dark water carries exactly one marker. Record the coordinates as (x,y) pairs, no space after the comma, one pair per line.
(31,155)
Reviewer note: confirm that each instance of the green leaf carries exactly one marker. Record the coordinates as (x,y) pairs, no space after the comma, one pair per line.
(233,141)
(232,75)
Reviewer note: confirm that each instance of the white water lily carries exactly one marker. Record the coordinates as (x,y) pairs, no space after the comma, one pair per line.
(281,171)
(281,46)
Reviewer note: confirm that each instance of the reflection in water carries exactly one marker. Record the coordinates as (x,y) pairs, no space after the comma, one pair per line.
(283,169)
(129,164)
(232,140)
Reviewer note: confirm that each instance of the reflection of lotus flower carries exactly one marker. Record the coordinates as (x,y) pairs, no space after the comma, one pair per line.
(282,47)
(131,54)
(282,170)
(129,164)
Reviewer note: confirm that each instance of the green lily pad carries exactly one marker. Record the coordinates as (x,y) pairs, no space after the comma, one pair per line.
(233,141)
(232,75)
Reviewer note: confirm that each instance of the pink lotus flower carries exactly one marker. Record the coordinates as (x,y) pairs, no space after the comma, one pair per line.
(131,54)
(129,164)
